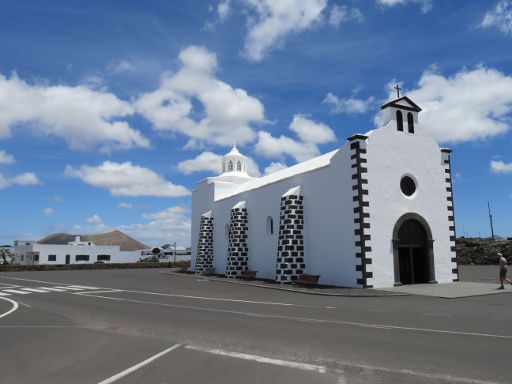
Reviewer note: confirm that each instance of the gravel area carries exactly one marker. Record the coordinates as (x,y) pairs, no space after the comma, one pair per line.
(481,273)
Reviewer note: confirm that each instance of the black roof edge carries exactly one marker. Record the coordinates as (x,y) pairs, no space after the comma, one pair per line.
(414,107)
(357,136)
(446,150)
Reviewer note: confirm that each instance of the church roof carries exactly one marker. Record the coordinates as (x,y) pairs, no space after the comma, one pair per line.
(306,166)
(404,103)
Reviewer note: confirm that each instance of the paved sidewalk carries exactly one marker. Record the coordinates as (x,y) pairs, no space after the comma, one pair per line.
(450,290)
(444,290)
(323,290)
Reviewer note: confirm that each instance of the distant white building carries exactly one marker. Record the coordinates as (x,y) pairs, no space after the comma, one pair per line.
(169,254)
(376,212)
(77,251)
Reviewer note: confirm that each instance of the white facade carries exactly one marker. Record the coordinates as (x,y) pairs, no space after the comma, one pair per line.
(38,254)
(374,213)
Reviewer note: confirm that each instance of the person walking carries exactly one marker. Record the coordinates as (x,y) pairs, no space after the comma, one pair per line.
(503,271)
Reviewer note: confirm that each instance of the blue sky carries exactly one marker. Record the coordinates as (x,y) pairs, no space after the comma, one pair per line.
(111,111)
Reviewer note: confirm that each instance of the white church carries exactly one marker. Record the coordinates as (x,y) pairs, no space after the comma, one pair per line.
(376,212)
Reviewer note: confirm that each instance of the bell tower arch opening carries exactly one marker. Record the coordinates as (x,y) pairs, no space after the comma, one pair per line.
(413,253)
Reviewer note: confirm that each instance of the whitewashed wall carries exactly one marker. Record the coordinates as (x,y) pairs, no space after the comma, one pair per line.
(328,231)
(329,237)
(391,155)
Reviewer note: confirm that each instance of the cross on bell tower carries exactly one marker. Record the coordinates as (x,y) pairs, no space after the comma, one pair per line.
(398,89)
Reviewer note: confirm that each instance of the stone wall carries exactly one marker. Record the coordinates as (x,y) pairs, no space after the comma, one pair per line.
(204,257)
(290,249)
(238,251)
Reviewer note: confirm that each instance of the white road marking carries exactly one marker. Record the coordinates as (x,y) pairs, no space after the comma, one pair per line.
(52,289)
(16,291)
(87,293)
(221,299)
(79,287)
(174,295)
(14,307)
(305,319)
(261,359)
(4,294)
(25,305)
(69,288)
(9,285)
(37,281)
(34,290)
(138,366)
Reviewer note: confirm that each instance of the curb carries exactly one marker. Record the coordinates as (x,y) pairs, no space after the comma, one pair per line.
(384,294)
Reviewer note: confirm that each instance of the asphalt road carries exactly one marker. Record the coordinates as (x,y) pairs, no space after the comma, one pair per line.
(142,326)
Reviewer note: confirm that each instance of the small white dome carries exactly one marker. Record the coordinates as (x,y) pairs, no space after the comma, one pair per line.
(234,163)
(234,152)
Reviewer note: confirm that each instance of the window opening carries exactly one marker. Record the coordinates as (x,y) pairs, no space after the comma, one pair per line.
(270,225)
(410,122)
(399,121)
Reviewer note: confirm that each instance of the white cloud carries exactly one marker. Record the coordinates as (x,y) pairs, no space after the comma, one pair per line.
(125,205)
(23,179)
(48,211)
(310,131)
(58,199)
(425,5)
(226,113)
(6,158)
(472,104)
(224,10)
(341,14)
(120,66)
(500,167)
(206,161)
(274,167)
(169,225)
(94,219)
(167,213)
(311,134)
(126,179)
(84,118)
(276,147)
(500,17)
(27,178)
(275,20)
(349,105)
(94,82)
(212,162)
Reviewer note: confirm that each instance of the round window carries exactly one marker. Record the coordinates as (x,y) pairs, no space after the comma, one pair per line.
(408,186)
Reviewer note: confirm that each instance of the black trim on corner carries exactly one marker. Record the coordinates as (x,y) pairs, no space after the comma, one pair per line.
(359,232)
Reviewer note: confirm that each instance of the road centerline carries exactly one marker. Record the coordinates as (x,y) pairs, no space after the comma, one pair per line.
(261,359)
(172,295)
(305,319)
(135,367)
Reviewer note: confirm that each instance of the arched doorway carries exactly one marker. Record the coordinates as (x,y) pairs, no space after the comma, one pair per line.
(413,251)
